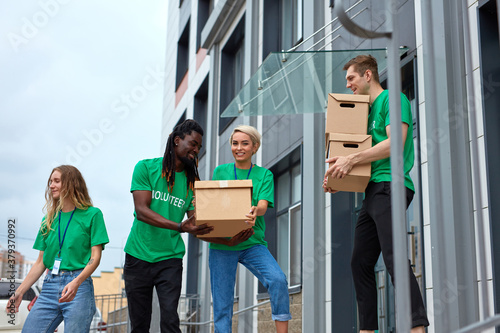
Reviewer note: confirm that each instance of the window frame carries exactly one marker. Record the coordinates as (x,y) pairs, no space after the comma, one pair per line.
(232,53)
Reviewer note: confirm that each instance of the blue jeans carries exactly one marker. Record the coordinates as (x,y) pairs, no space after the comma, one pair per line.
(262,264)
(48,313)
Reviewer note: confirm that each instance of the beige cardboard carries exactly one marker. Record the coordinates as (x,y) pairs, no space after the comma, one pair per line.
(338,144)
(223,204)
(347,113)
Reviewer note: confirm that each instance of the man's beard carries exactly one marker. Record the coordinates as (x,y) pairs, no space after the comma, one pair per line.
(189,164)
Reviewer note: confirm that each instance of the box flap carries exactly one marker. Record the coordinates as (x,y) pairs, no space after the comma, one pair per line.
(355,138)
(199,184)
(351,98)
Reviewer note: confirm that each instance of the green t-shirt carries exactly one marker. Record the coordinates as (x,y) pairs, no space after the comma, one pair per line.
(85,230)
(378,119)
(150,243)
(263,189)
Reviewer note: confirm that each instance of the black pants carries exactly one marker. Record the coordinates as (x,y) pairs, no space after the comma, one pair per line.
(140,277)
(373,234)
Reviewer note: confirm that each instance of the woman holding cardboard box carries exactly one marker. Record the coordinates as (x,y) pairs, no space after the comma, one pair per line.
(248,247)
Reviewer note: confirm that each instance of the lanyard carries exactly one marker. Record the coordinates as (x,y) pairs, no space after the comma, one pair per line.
(59,230)
(248,175)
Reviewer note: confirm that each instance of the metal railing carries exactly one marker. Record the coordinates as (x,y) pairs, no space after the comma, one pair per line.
(189,306)
(112,314)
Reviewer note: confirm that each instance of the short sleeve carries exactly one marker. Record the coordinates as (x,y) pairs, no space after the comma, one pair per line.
(216,174)
(267,189)
(140,178)
(386,113)
(98,233)
(406,116)
(40,241)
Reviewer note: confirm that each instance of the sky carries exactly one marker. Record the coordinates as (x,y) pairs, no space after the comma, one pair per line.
(81,83)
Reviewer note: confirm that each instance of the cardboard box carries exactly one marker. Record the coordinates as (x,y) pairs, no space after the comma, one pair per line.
(347,113)
(339,144)
(223,204)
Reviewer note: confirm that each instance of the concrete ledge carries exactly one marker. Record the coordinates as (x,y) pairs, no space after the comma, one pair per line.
(219,21)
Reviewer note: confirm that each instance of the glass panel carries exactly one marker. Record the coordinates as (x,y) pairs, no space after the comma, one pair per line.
(283,191)
(296,82)
(295,247)
(283,239)
(296,184)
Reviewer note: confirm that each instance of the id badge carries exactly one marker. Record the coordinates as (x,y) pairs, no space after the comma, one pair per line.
(57,264)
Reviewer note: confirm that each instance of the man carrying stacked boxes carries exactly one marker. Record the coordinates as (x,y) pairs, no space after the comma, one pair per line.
(373,233)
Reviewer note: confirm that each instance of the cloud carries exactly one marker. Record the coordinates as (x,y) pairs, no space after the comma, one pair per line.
(60,92)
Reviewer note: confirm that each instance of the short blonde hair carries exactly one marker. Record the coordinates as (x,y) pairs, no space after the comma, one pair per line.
(250,131)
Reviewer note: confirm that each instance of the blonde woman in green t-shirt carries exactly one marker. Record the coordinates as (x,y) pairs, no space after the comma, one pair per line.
(71,239)
(248,247)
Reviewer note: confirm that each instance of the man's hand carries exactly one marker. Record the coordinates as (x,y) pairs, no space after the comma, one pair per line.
(189,225)
(240,237)
(328,189)
(341,167)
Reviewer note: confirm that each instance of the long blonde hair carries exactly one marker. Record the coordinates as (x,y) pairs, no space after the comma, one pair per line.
(72,186)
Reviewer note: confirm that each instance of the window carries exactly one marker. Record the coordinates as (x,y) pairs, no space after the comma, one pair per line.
(201,108)
(232,67)
(286,31)
(182,56)
(289,225)
(204,9)
(490,74)
(291,23)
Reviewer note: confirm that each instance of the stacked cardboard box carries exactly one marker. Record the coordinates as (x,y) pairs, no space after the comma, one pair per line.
(345,134)
(223,204)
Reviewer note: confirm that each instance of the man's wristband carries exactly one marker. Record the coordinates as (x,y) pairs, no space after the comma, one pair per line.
(179,228)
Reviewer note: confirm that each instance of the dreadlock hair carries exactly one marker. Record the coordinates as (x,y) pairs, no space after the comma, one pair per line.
(168,168)
(73,187)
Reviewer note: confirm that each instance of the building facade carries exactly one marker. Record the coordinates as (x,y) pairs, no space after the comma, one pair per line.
(214,47)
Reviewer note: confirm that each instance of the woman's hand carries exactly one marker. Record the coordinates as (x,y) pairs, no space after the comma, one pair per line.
(69,292)
(240,237)
(252,215)
(14,302)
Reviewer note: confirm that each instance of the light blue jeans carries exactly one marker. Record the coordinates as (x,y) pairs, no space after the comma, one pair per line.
(262,264)
(47,313)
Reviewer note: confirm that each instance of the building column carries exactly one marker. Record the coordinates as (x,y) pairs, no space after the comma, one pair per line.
(313,200)
(211,144)
(455,297)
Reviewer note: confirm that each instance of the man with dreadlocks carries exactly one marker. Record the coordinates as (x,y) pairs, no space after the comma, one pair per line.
(162,189)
